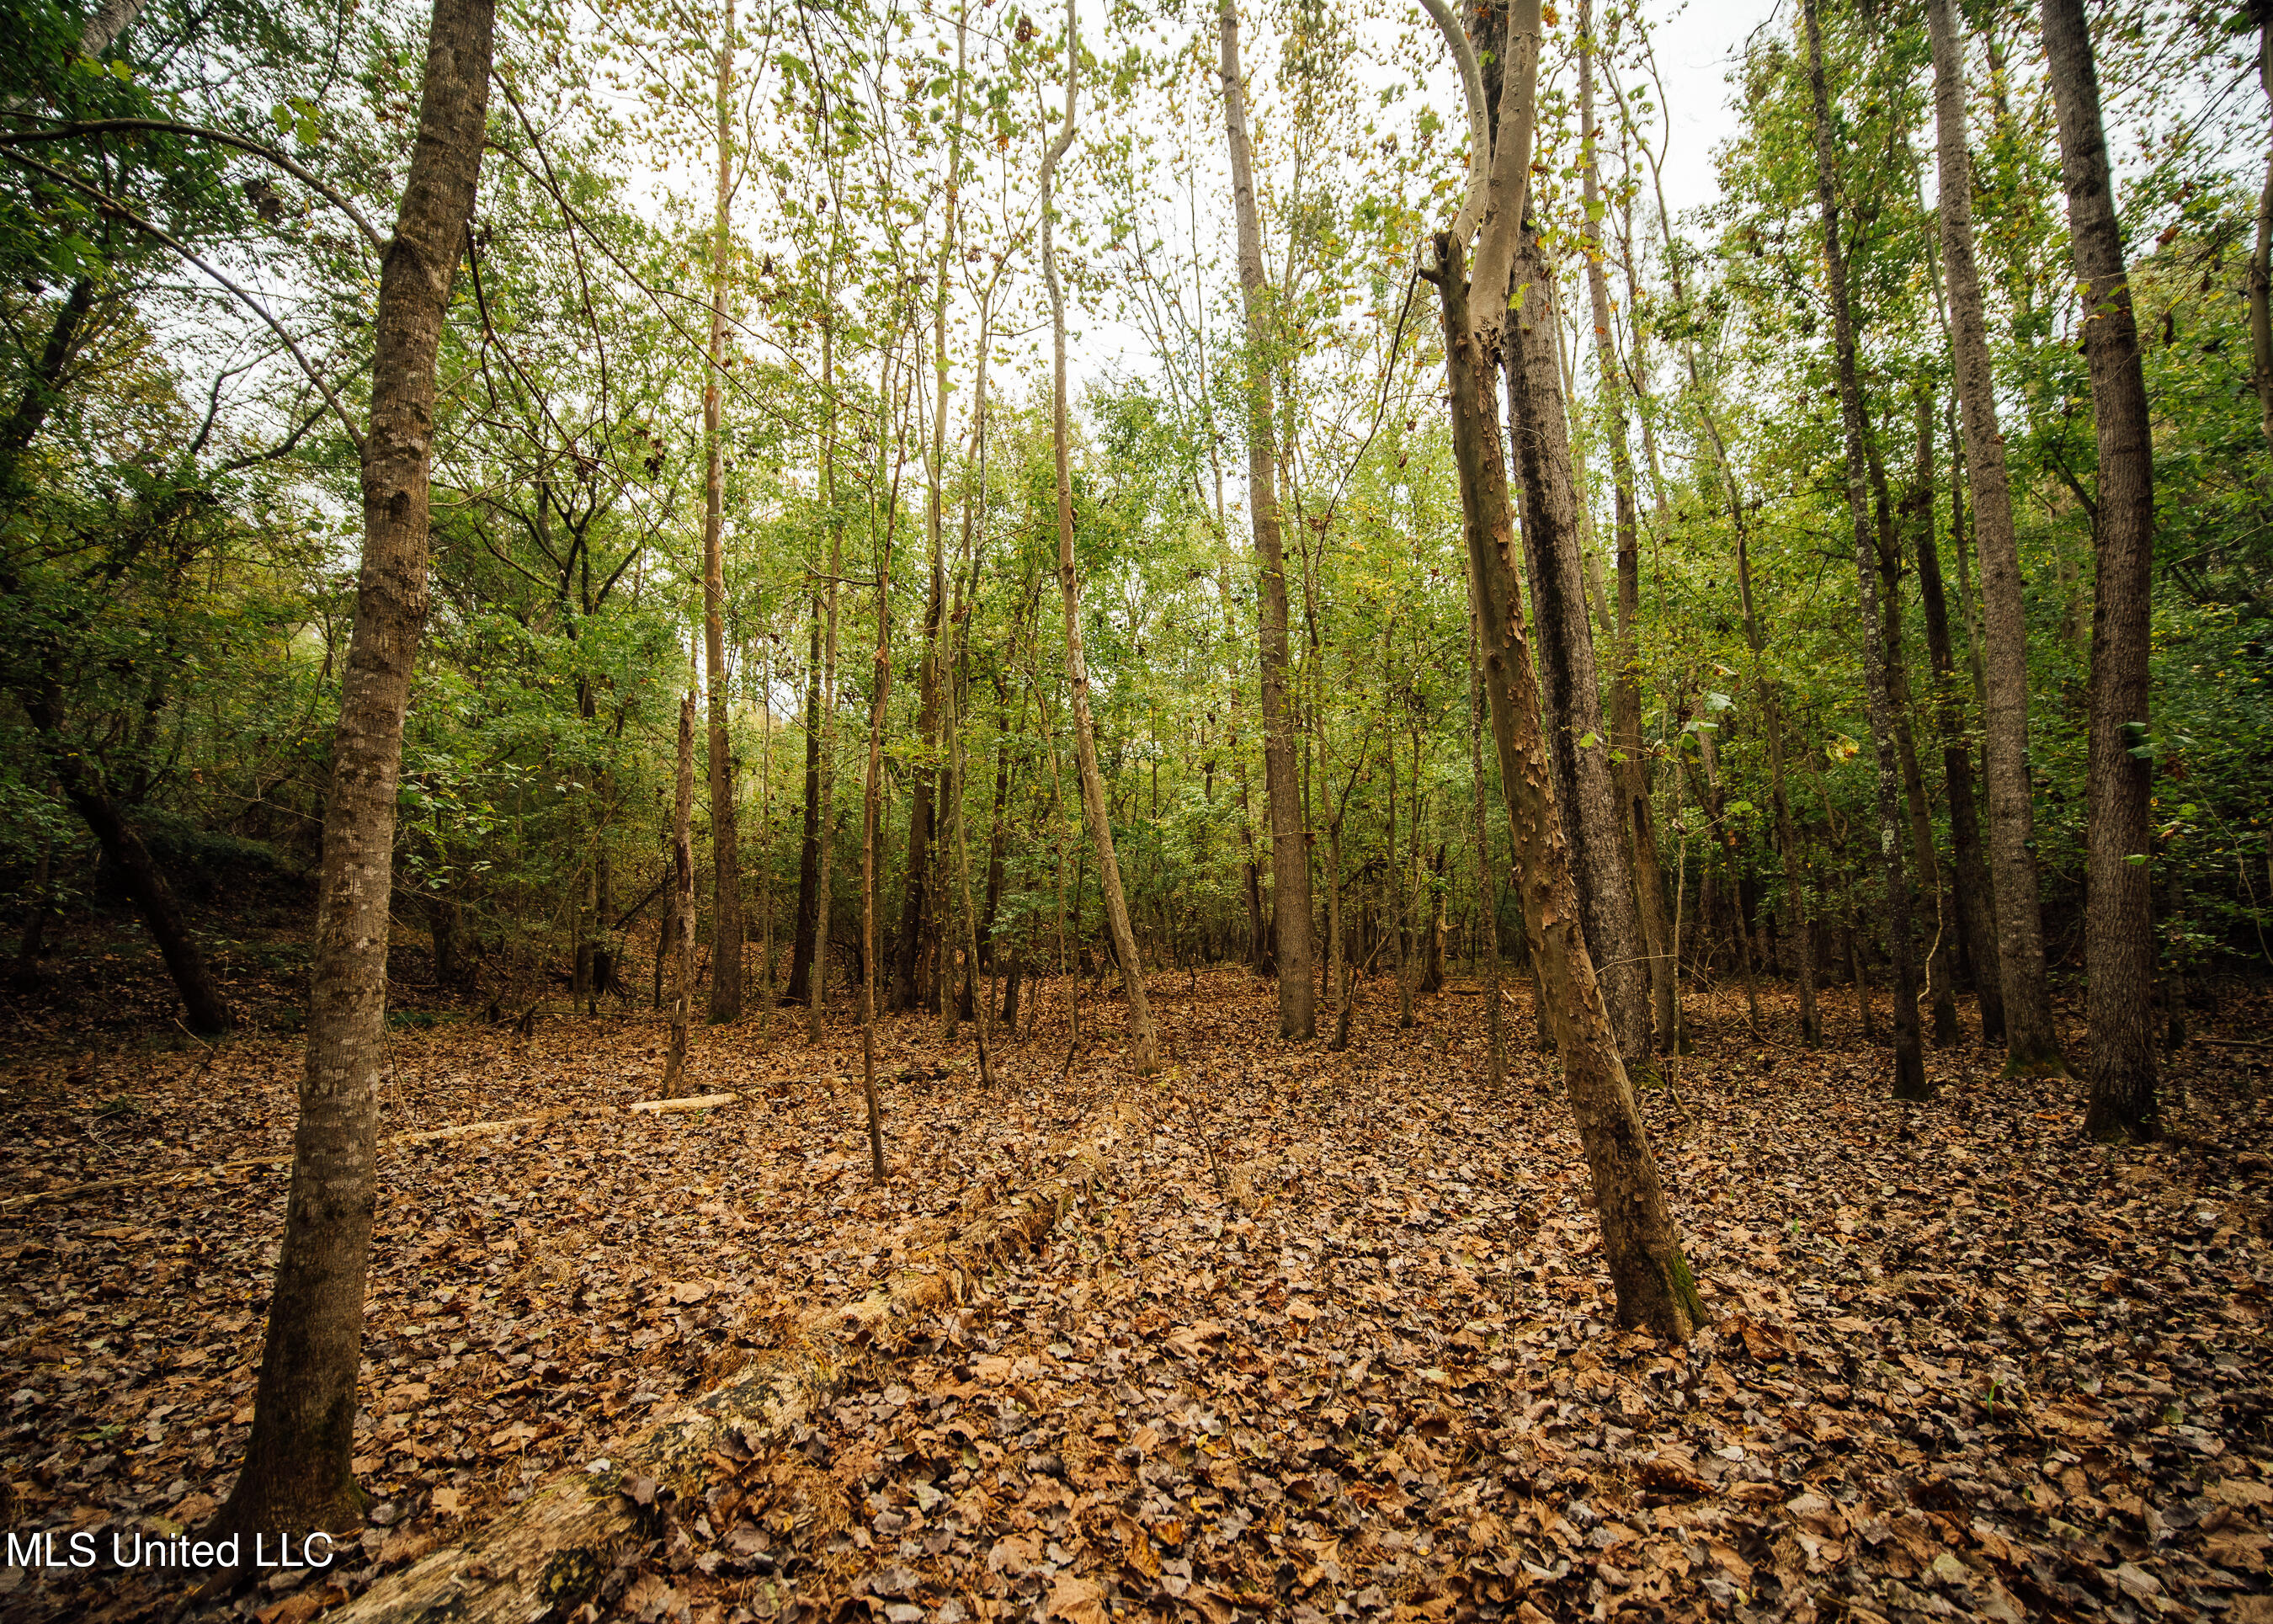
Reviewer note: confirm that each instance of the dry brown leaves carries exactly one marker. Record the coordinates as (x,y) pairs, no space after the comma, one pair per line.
(1332,1342)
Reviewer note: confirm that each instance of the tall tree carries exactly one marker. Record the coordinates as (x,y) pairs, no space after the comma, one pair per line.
(1629,776)
(725,838)
(297,1473)
(1290,850)
(1144,1044)
(1909,1059)
(2118,921)
(2031,1046)
(1642,1246)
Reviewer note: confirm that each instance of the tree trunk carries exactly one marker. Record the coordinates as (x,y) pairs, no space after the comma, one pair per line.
(879,690)
(2118,930)
(1909,1082)
(1629,769)
(203,1003)
(676,947)
(1940,987)
(2031,1045)
(1487,876)
(1969,895)
(1588,801)
(1640,1245)
(725,841)
(1290,854)
(297,1474)
(806,929)
(1144,1045)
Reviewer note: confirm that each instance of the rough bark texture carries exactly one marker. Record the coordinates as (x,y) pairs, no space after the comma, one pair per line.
(296,1473)
(2031,1045)
(1909,1082)
(1290,850)
(1641,1247)
(725,838)
(1587,798)
(1143,1044)
(2119,927)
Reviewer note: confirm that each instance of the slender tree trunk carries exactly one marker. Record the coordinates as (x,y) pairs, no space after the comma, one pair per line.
(725,836)
(1940,987)
(2031,1044)
(806,930)
(1629,771)
(1641,1246)
(1967,896)
(1487,876)
(880,689)
(679,921)
(1909,1082)
(1589,801)
(2119,929)
(1144,1045)
(297,1474)
(1290,855)
(816,1004)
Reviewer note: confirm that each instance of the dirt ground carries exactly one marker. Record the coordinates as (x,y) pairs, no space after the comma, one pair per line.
(1326,1338)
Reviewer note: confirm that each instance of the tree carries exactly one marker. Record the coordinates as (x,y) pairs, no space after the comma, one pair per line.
(1640,1244)
(297,1471)
(1290,845)
(1144,1044)
(2120,943)
(725,838)
(1909,1082)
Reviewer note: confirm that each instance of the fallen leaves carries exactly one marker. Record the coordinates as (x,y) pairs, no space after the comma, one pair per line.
(1964,1363)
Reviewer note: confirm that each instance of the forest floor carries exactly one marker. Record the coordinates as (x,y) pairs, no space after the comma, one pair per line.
(1327,1334)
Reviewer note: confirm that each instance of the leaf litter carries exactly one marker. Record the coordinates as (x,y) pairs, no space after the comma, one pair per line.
(1328,1339)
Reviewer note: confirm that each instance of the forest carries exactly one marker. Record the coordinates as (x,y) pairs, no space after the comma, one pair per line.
(820,809)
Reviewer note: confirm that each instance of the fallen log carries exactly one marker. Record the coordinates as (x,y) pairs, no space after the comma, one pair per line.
(545,1557)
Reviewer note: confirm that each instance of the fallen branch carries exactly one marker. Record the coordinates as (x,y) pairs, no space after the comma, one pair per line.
(2234,1043)
(544,1556)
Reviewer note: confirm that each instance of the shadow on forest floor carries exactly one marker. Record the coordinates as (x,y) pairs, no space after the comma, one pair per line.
(1332,1340)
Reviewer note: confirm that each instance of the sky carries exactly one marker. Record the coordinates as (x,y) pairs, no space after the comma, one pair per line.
(1696,43)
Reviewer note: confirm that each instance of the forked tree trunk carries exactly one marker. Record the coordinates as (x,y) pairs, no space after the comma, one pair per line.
(725,840)
(2031,1046)
(1144,1045)
(1909,1082)
(2119,927)
(297,1474)
(1290,854)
